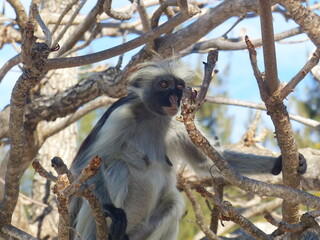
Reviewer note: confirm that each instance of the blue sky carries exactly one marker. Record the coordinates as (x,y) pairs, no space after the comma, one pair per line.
(239,82)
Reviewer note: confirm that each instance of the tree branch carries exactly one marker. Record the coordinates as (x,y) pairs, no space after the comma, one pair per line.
(99,56)
(229,213)
(79,32)
(17,233)
(201,222)
(46,31)
(62,15)
(305,17)
(222,43)
(269,52)
(119,15)
(70,21)
(289,87)
(20,13)
(34,56)
(8,65)
(284,134)
(260,188)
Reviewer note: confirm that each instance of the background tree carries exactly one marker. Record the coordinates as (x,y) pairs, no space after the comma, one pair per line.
(47,98)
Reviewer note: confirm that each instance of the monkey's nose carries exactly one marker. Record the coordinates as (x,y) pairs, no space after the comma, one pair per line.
(174,101)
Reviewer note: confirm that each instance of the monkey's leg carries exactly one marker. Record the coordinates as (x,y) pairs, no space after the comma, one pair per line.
(163,223)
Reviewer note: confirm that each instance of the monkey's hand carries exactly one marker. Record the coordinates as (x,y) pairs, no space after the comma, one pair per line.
(277,168)
(117,229)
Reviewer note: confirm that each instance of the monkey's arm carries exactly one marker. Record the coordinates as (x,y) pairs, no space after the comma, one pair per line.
(242,162)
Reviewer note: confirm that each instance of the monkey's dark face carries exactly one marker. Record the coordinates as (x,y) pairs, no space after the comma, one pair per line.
(166,95)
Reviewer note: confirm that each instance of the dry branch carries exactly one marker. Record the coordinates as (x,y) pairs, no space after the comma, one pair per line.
(97,211)
(9,65)
(200,219)
(308,20)
(115,51)
(222,43)
(126,15)
(34,56)
(42,172)
(17,233)
(313,61)
(70,21)
(284,134)
(85,174)
(79,32)
(20,13)
(62,15)
(307,220)
(47,33)
(260,188)
(229,213)
(62,203)
(269,52)
(67,186)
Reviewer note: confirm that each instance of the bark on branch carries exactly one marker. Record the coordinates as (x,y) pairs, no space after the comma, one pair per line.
(34,57)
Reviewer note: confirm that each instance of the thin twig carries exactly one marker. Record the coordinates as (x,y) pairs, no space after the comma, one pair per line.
(62,15)
(269,52)
(95,31)
(61,168)
(220,100)
(259,77)
(17,233)
(208,69)
(43,26)
(8,65)
(86,173)
(143,16)
(26,198)
(289,87)
(98,213)
(84,25)
(157,14)
(29,78)
(201,222)
(183,5)
(124,39)
(119,15)
(70,21)
(21,13)
(229,213)
(233,26)
(234,43)
(42,172)
(115,51)
(62,203)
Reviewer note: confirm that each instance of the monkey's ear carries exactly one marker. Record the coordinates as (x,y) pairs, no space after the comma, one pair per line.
(277,168)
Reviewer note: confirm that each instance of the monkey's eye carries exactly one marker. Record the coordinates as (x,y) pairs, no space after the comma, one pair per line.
(164,84)
(181,85)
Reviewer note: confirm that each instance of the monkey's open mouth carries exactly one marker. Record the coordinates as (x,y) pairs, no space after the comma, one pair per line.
(170,111)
